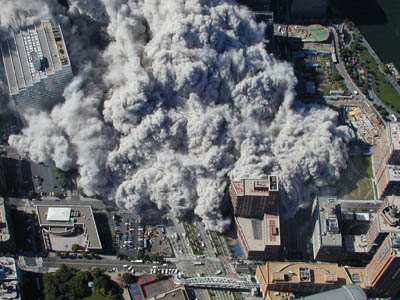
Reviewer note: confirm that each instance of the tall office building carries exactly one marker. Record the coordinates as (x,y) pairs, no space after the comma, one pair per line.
(327,239)
(386,161)
(37,66)
(386,221)
(252,198)
(383,272)
(256,210)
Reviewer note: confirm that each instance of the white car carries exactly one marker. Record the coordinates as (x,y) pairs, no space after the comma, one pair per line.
(126,266)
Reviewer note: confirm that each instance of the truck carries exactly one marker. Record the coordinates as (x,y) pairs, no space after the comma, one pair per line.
(198,263)
(218,272)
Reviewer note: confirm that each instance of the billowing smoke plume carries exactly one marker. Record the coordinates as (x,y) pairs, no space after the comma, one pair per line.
(169,99)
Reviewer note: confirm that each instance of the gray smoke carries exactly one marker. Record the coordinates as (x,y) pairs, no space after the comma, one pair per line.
(171,98)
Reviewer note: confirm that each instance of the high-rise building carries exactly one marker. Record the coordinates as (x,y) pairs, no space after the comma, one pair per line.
(252,198)
(37,66)
(327,239)
(260,239)
(309,8)
(383,272)
(256,210)
(386,161)
(386,221)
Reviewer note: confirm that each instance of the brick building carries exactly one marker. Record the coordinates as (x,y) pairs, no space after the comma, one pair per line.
(383,272)
(386,161)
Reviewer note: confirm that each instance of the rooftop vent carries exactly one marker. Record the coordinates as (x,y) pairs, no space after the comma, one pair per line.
(305,274)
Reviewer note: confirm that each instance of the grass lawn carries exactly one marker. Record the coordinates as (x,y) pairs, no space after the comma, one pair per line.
(95,296)
(355,180)
(381,85)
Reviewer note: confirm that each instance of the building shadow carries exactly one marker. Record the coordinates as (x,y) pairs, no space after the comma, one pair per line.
(361,12)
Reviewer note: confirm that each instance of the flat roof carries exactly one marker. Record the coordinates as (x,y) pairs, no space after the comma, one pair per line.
(260,233)
(178,293)
(80,216)
(393,172)
(256,187)
(310,273)
(32,54)
(384,215)
(328,221)
(9,289)
(58,214)
(158,287)
(355,243)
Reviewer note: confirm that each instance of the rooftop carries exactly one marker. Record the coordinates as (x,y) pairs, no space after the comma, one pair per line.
(61,214)
(346,292)
(260,233)
(32,54)
(64,226)
(393,172)
(311,273)
(9,277)
(256,187)
(389,215)
(328,221)
(178,293)
(355,243)
(4,231)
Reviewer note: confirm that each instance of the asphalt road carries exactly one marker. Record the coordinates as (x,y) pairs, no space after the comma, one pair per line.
(103,263)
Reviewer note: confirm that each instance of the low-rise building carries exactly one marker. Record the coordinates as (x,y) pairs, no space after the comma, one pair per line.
(9,287)
(64,226)
(276,278)
(149,288)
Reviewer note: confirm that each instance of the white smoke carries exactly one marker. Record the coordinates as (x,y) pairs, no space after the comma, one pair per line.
(169,99)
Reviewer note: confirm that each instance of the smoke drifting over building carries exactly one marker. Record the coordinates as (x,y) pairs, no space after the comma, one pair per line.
(171,97)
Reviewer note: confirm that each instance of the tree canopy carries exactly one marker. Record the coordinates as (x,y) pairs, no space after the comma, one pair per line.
(69,283)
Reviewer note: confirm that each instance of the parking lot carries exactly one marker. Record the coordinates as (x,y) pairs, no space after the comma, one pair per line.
(45,181)
(126,229)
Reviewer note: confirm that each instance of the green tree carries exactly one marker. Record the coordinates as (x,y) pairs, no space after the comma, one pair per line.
(383,67)
(127,277)
(31,194)
(78,285)
(75,248)
(102,282)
